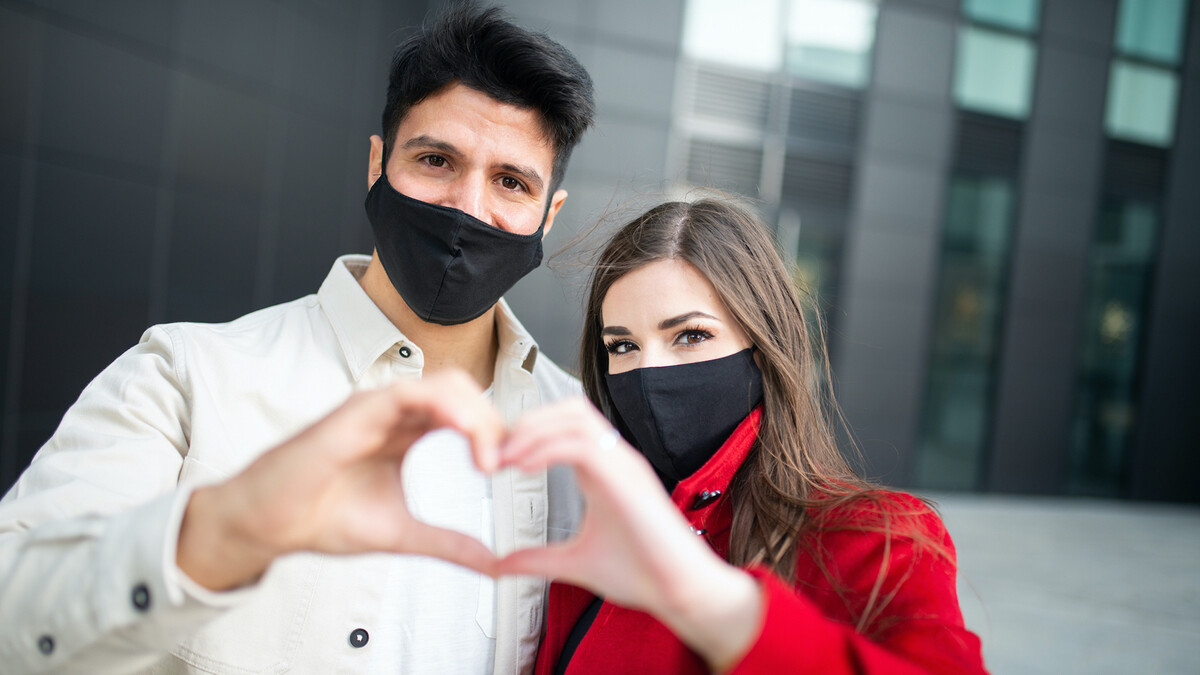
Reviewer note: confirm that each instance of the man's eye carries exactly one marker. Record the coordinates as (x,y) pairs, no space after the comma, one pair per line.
(435,160)
(511,183)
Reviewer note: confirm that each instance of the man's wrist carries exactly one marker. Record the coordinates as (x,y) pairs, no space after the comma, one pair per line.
(216,549)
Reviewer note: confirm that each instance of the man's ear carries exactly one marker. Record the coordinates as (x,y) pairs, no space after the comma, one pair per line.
(374,160)
(556,202)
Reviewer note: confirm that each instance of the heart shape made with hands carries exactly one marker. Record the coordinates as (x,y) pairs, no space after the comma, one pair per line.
(344,490)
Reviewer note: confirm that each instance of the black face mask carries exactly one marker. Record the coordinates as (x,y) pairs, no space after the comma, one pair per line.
(448,266)
(679,416)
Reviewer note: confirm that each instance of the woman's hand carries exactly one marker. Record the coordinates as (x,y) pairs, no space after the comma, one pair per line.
(633,547)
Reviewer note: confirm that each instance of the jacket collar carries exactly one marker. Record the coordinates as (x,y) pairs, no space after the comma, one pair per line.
(364,333)
(702,496)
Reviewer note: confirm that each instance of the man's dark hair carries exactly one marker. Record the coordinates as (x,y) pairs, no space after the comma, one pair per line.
(484,51)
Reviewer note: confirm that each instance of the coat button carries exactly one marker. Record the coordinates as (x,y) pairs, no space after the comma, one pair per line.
(405,352)
(141,597)
(359,638)
(705,498)
(46,644)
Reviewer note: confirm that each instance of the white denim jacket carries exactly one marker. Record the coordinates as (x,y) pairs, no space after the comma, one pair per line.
(88,581)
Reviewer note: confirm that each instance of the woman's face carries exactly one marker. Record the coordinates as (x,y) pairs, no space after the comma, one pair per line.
(666,313)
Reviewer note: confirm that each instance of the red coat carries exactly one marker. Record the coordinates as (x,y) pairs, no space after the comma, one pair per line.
(809,628)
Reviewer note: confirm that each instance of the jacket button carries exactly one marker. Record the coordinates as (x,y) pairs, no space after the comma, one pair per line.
(405,352)
(46,644)
(359,638)
(141,597)
(705,498)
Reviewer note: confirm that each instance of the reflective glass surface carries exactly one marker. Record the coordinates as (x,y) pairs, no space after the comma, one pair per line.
(830,40)
(1152,29)
(815,238)
(1021,15)
(994,72)
(746,33)
(1141,103)
(970,300)
(1121,264)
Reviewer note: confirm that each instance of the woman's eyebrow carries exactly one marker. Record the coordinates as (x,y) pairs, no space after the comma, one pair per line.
(675,321)
(614,330)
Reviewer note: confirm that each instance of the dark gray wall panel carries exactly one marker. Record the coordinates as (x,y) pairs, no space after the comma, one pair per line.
(1085,24)
(903,130)
(103,101)
(1059,189)
(646,22)
(632,81)
(881,343)
(914,52)
(20,39)
(1166,463)
(144,22)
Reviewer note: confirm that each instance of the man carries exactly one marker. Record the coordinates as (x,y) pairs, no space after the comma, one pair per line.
(167,526)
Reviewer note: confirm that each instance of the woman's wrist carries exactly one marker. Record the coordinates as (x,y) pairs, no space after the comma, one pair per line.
(719,614)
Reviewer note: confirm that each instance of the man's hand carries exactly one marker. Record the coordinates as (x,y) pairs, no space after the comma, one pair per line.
(336,487)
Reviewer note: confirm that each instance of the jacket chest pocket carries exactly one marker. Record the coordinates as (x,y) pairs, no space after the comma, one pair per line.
(262,635)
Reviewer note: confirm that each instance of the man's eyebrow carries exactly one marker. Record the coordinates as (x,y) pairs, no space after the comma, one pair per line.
(614,330)
(528,174)
(424,141)
(675,321)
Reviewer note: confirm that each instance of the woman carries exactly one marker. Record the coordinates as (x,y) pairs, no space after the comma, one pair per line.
(769,554)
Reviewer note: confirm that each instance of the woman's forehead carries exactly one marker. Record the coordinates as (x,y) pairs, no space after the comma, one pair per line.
(662,287)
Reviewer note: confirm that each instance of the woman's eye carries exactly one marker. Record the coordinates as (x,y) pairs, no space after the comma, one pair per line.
(693,337)
(511,183)
(619,347)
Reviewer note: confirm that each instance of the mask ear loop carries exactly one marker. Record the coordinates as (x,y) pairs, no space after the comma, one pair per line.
(387,151)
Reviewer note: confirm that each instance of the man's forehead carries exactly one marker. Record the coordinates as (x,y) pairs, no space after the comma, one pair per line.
(463,98)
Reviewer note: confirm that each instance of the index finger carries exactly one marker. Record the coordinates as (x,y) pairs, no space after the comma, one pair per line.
(452,400)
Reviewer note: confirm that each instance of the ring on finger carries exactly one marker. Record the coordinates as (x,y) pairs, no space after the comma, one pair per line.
(608,440)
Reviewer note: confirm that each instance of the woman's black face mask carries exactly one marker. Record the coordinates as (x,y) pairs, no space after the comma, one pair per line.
(448,266)
(679,416)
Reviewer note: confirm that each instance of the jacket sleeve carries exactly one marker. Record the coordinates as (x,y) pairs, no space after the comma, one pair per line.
(88,581)
(918,628)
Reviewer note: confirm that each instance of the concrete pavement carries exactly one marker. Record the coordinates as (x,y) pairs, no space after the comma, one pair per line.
(1062,585)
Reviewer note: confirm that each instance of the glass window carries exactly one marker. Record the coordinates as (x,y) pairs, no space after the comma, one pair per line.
(1151,29)
(994,72)
(744,34)
(724,166)
(1141,104)
(830,40)
(1021,15)
(971,291)
(1106,401)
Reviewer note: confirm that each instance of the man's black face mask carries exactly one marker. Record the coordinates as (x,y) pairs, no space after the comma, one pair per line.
(448,266)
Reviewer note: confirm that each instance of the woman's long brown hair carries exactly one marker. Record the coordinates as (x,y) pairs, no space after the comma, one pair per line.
(795,469)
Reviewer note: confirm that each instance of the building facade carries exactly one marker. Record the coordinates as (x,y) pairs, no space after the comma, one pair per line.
(995,203)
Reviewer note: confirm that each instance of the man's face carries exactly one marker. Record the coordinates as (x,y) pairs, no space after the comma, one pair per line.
(463,149)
